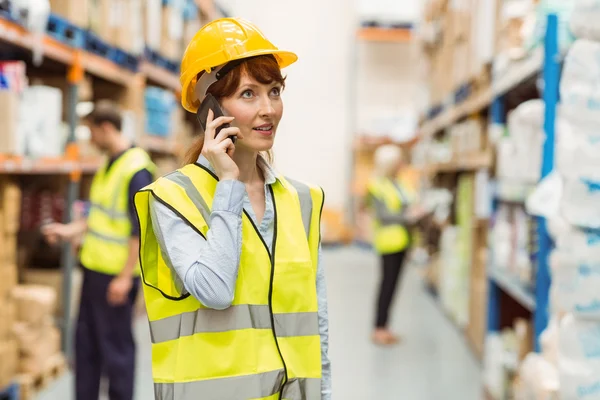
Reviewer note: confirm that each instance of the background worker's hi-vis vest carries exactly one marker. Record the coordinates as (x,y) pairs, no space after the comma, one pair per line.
(389,237)
(267,344)
(106,242)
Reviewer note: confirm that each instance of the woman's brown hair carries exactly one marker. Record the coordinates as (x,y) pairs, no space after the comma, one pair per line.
(264,69)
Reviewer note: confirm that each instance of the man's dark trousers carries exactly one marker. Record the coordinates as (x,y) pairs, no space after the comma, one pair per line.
(104,344)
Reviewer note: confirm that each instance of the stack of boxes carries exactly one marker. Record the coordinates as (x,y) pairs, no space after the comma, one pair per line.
(30,116)
(9,224)
(460,45)
(160,105)
(38,339)
(132,24)
(172,26)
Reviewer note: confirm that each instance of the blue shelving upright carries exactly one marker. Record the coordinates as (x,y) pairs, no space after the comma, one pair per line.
(551,78)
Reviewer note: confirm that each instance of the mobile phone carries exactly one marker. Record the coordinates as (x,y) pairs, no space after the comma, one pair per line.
(211,103)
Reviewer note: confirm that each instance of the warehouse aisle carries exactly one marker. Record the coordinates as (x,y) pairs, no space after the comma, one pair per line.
(432,363)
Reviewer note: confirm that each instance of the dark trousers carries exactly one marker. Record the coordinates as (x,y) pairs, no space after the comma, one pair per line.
(104,344)
(391,268)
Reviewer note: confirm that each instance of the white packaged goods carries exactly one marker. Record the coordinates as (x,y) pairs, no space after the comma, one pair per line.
(520,155)
(577,148)
(580,83)
(502,239)
(545,199)
(40,119)
(580,204)
(580,245)
(575,286)
(584,20)
(579,359)
(539,379)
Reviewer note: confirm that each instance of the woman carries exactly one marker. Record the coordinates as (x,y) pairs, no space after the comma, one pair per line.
(230,249)
(392,213)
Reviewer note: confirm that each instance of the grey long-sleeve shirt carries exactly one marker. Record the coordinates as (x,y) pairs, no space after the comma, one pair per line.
(208,268)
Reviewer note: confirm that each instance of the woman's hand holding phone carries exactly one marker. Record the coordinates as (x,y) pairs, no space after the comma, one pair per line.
(219,149)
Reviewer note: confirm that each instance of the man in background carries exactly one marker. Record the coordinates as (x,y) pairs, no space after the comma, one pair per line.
(104,343)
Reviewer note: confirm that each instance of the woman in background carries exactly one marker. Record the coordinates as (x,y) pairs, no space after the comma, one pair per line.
(392,213)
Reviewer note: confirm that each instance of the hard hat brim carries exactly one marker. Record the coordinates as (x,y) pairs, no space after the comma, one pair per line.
(284,59)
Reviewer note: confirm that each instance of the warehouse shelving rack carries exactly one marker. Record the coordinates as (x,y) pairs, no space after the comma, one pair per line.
(535,300)
(78,62)
(545,61)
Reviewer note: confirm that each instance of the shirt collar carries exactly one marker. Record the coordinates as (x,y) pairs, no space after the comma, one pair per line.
(268,171)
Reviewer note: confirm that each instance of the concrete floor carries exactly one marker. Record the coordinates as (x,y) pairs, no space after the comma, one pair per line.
(432,363)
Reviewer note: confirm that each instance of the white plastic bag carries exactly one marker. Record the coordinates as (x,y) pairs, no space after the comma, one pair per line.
(580,83)
(539,379)
(584,19)
(545,200)
(577,148)
(581,245)
(579,359)
(574,287)
(580,204)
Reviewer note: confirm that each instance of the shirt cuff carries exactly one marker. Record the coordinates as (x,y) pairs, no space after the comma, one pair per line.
(229,196)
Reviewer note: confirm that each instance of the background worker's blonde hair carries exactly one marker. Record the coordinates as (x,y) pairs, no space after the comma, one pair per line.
(387,157)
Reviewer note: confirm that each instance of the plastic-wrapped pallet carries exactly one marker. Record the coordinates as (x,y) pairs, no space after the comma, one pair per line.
(580,84)
(584,20)
(579,359)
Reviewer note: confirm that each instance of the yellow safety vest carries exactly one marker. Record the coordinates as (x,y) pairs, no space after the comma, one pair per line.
(389,238)
(106,242)
(267,344)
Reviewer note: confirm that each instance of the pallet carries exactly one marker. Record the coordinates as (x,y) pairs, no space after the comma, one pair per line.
(6,11)
(463,92)
(31,384)
(154,58)
(65,32)
(435,111)
(99,47)
(10,393)
(96,46)
(124,59)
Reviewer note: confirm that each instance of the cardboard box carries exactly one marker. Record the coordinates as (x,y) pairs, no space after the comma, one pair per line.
(7,316)
(9,117)
(10,205)
(9,357)
(8,280)
(35,303)
(54,279)
(9,244)
(76,11)
(171,41)
(101,19)
(153,23)
(128,28)
(36,347)
(461,63)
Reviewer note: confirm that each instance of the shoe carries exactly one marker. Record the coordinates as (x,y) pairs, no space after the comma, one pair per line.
(384,337)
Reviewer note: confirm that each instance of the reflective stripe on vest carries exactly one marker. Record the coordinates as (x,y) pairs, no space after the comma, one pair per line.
(275,298)
(388,236)
(243,316)
(106,243)
(240,388)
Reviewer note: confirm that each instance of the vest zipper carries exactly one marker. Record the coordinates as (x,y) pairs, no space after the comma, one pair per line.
(285,372)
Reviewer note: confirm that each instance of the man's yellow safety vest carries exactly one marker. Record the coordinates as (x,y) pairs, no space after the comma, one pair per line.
(389,237)
(106,242)
(267,344)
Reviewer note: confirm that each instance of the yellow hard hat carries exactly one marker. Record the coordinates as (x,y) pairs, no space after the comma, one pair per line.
(219,42)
